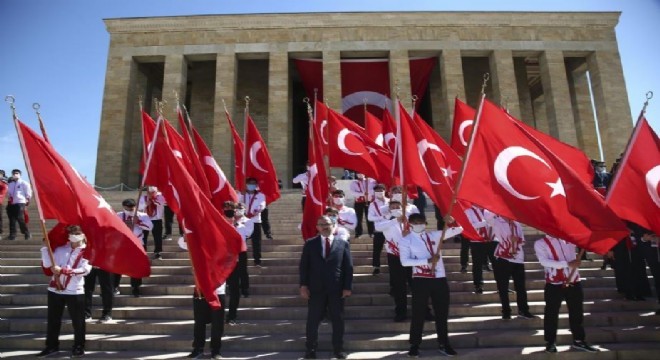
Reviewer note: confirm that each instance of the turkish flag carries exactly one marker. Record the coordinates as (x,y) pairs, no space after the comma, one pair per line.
(148,128)
(373,128)
(239,176)
(512,173)
(198,171)
(462,127)
(634,191)
(317,186)
(221,189)
(212,241)
(67,197)
(389,131)
(321,125)
(259,165)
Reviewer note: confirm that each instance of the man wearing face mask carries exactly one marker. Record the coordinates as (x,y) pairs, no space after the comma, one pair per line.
(602,178)
(153,204)
(346,215)
(391,226)
(138,223)
(326,279)
(363,192)
(239,280)
(255,203)
(339,232)
(419,250)
(66,288)
(20,193)
(375,215)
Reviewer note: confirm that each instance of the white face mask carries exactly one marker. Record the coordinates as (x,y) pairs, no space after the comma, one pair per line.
(17,176)
(380,194)
(239,212)
(396,212)
(418,228)
(76,238)
(397,197)
(338,200)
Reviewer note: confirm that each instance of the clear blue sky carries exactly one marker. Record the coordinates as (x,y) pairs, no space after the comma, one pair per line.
(54,53)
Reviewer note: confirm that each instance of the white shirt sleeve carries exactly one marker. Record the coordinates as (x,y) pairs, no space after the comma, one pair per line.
(545,256)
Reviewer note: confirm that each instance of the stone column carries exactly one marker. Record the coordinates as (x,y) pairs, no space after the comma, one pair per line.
(119,107)
(585,126)
(557,97)
(541,115)
(505,89)
(453,85)
(174,79)
(221,143)
(332,79)
(611,100)
(279,134)
(400,77)
(524,96)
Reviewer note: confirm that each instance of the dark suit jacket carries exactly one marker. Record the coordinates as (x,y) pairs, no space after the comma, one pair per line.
(331,275)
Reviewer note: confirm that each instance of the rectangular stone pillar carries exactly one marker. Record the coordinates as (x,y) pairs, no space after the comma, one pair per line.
(505,89)
(557,97)
(541,115)
(279,134)
(453,85)
(524,96)
(400,77)
(585,126)
(119,107)
(437,104)
(174,79)
(611,100)
(225,89)
(332,79)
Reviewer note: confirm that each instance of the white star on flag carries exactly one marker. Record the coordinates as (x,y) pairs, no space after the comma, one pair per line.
(103,204)
(448,172)
(557,188)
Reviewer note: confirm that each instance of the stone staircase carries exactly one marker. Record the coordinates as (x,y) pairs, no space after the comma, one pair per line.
(271,322)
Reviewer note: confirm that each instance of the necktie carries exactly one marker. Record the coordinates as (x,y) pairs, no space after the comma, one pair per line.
(327,247)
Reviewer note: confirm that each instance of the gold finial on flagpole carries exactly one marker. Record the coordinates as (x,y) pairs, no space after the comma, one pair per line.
(36,108)
(483,85)
(414,101)
(247,101)
(11,100)
(306,100)
(649,96)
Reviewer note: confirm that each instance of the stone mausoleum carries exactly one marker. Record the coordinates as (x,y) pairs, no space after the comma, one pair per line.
(550,69)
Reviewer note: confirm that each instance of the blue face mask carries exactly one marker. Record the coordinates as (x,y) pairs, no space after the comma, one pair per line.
(252,187)
(334,219)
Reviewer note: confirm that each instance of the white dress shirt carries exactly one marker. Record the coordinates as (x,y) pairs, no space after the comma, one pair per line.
(363,190)
(502,231)
(143,222)
(158,200)
(555,254)
(19,192)
(67,257)
(254,203)
(347,218)
(301,179)
(374,213)
(478,220)
(416,250)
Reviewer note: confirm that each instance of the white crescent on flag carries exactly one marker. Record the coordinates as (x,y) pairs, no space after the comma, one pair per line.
(341,142)
(461,130)
(210,161)
(313,172)
(422,147)
(652,178)
(501,167)
(254,149)
(358,98)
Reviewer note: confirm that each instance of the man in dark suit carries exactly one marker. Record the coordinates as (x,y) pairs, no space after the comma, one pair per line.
(326,278)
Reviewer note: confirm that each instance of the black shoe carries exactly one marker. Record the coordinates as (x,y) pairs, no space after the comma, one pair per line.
(376,271)
(136,292)
(116,291)
(47,351)
(657,312)
(11,237)
(310,354)
(158,256)
(429,316)
(231,322)
(447,350)
(105,319)
(400,318)
(215,354)
(582,345)
(269,236)
(506,316)
(488,268)
(28,236)
(463,269)
(526,315)
(511,291)
(77,352)
(414,351)
(551,348)
(604,267)
(339,355)
(478,290)
(196,354)
(88,317)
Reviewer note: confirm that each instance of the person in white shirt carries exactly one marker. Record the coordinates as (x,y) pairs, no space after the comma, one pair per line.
(19,192)
(204,314)
(374,215)
(347,218)
(302,179)
(139,223)
(153,204)
(480,247)
(362,190)
(66,288)
(510,262)
(562,282)
(255,203)
(239,280)
(419,250)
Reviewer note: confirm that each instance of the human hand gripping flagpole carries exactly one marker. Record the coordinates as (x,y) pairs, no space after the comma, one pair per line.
(468,151)
(10,99)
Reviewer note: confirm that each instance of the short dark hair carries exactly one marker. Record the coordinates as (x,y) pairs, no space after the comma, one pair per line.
(416,217)
(2,172)
(330,210)
(338,192)
(74,229)
(16,171)
(229,204)
(395,202)
(251,179)
(379,187)
(128,203)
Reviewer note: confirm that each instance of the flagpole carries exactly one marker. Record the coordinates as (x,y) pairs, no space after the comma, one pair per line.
(399,154)
(36,108)
(10,99)
(459,182)
(245,125)
(231,125)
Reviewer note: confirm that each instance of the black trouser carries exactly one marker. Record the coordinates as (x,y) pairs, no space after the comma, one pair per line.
(504,270)
(438,290)
(105,283)
(169,220)
(361,211)
(238,282)
(135,282)
(652,257)
(554,295)
(256,242)
(379,241)
(16,213)
(316,310)
(438,218)
(75,304)
(204,314)
(479,256)
(490,252)
(630,271)
(399,277)
(157,231)
(302,202)
(265,223)
(465,251)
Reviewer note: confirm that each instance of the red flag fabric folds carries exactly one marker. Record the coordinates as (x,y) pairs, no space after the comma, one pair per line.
(317,186)
(71,200)
(148,128)
(512,173)
(221,189)
(634,191)
(239,176)
(198,171)
(462,126)
(258,163)
(373,128)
